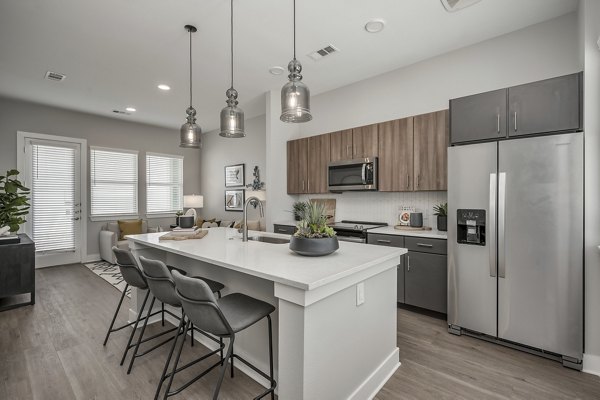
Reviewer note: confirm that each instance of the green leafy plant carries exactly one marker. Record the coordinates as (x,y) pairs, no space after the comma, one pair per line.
(14,201)
(179,213)
(313,223)
(299,208)
(441,210)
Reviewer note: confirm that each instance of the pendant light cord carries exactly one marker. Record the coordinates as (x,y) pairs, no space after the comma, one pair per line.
(190,30)
(294,29)
(232,44)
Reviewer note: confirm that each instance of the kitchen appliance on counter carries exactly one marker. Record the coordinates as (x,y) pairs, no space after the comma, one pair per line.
(354,231)
(515,270)
(357,174)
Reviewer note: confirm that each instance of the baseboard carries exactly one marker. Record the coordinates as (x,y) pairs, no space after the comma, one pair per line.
(93,257)
(378,378)
(591,364)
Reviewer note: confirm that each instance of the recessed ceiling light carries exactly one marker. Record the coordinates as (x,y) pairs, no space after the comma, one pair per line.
(130,109)
(276,70)
(374,25)
(162,86)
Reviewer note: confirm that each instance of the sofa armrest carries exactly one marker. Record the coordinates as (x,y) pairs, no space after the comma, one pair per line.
(153,230)
(108,239)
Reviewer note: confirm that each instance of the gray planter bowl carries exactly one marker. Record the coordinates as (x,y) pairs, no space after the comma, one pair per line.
(314,247)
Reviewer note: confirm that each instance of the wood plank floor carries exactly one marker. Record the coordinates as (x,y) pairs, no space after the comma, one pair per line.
(54,351)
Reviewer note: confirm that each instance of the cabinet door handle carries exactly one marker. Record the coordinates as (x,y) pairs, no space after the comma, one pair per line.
(515,121)
(498,123)
(407,181)
(408,262)
(302,184)
(384,241)
(308,185)
(424,245)
(281,230)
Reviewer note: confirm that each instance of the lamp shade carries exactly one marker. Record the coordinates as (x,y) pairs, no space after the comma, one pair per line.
(193,201)
(259,194)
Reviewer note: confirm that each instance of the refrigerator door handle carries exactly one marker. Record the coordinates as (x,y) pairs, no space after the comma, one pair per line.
(501,223)
(492,224)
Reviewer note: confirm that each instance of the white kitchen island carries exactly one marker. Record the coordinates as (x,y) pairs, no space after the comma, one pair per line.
(327,347)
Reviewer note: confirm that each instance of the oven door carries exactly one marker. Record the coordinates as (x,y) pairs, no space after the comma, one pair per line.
(358,174)
(354,239)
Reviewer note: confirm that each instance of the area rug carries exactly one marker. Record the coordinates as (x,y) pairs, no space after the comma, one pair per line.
(110,273)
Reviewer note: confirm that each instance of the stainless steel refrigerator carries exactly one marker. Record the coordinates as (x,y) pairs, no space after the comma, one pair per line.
(515,243)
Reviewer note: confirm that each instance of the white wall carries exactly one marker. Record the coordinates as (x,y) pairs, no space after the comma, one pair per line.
(590,32)
(217,153)
(16,115)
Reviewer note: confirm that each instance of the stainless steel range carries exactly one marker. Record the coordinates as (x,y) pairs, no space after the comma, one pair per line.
(354,231)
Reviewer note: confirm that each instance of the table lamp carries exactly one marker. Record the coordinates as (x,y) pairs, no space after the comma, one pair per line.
(191,202)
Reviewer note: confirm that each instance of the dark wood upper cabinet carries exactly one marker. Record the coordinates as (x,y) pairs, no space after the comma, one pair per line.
(396,155)
(431,151)
(551,105)
(297,166)
(318,160)
(365,141)
(341,145)
(478,117)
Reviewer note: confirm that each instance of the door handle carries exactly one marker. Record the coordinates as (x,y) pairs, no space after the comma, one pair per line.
(408,263)
(384,241)
(501,225)
(498,123)
(303,185)
(364,174)
(515,121)
(281,230)
(425,245)
(407,181)
(492,225)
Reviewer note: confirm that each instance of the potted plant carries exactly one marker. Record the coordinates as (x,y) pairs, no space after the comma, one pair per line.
(313,237)
(298,209)
(177,215)
(441,210)
(14,206)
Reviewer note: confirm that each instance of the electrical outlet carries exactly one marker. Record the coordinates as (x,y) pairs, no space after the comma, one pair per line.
(360,293)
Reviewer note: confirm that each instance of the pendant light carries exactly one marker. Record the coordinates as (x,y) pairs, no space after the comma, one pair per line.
(232,117)
(190,131)
(295,95)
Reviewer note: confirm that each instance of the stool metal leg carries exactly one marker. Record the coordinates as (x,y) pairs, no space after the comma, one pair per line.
(231,361)
(112,323)
(162,377)
(224,367)
(271,357)
(192,344)
(137,321)
(137,346)
(187,326)
(162,313)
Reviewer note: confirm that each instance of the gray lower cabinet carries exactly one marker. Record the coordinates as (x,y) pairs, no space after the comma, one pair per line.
(17,271)
(286,229)
(425,281)
(478,117)
(551,105)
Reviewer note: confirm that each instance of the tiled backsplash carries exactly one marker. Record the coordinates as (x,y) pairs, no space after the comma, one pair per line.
(381,206)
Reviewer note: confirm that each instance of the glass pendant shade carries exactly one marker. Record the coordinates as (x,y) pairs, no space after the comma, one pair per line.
(295,96)
(191,133)
(232,117)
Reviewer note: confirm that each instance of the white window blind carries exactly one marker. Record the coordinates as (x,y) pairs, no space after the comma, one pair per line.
(113,182)
(53,197)
(164,183)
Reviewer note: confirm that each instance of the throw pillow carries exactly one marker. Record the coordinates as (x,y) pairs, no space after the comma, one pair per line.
(129,227)
(208,224)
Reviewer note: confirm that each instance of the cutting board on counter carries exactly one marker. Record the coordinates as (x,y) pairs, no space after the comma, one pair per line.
(412,228)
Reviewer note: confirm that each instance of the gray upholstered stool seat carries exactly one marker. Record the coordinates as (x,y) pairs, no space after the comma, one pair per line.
(242,311)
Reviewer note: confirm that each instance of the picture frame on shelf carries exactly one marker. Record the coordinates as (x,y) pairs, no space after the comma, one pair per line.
(235,175)
(234,200)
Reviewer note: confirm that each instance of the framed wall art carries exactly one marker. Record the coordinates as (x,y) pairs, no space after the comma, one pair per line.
(235,175)
(234,200)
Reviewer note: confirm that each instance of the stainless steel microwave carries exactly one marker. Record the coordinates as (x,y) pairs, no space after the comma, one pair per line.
(357,174)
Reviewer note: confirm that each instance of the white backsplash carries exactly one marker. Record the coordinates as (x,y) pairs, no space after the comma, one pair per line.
(381,206)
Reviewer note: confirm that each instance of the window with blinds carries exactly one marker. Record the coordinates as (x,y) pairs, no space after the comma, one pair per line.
(164,183)
(53,197)
(113,182)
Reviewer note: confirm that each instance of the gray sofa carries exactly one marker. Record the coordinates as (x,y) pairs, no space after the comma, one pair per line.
(109,237)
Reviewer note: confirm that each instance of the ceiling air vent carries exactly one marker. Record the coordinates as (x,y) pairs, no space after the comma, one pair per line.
(455,5)
(55,76)
(324,52)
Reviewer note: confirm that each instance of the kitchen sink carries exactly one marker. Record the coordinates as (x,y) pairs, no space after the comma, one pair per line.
(268,239)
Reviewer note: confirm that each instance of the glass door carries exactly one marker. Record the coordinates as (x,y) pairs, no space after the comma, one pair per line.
(54,223)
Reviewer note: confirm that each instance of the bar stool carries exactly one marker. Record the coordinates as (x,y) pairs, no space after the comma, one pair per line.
(133,278)
(223,318)
(162,287)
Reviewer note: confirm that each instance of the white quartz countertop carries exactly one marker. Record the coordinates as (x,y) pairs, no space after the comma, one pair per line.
(390,230)
(275,262)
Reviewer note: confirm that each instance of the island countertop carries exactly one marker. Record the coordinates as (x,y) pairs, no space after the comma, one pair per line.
(275,262)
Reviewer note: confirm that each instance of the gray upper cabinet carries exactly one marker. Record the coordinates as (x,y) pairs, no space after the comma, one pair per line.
(552,105)
(479,117)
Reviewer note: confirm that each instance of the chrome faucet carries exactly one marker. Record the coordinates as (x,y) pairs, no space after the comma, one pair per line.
(254,201)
